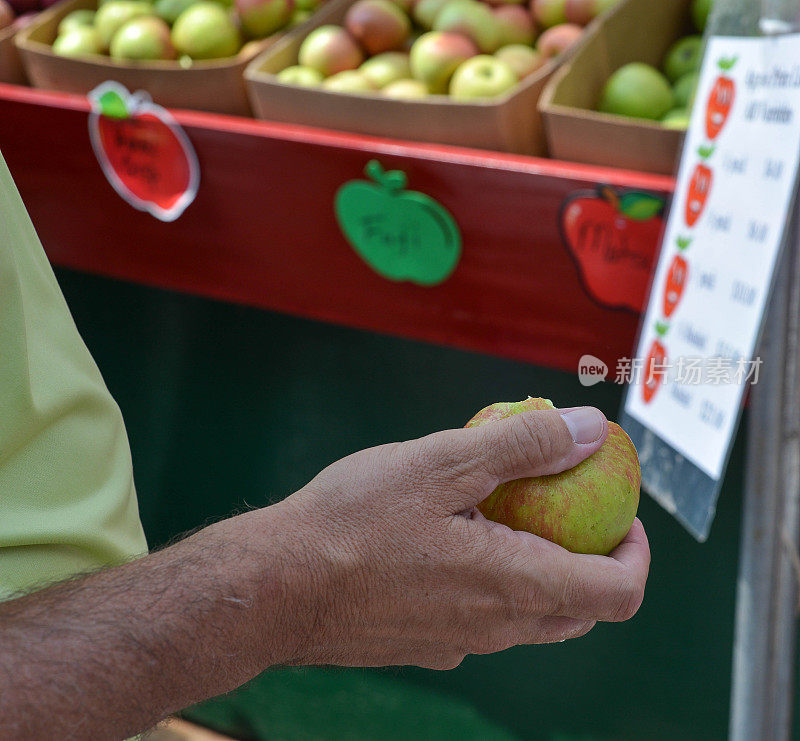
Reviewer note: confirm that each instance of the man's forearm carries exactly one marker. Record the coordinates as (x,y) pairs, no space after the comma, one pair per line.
(110,654)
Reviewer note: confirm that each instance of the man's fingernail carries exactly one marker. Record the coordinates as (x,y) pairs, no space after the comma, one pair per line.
(585,424)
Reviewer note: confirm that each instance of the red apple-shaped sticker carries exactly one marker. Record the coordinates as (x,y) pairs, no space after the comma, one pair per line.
(403,235)
(145,155)
(721,99)
(677,277)
(654,366)
(613,239)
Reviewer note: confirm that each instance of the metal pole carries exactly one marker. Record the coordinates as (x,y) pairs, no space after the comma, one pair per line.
(764,657)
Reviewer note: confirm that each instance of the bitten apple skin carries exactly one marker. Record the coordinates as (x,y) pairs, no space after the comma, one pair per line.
(587,509)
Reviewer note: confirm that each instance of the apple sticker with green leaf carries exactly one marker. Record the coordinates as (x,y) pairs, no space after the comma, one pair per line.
(145,155)
(613,239)
(403,235)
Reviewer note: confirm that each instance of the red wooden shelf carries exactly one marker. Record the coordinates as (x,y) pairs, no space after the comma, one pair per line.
(262,231)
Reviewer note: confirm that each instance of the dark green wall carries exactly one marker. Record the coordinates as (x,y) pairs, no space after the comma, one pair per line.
(227,405)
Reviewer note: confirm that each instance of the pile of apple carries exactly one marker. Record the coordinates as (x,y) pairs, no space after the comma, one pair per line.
(19,13)
(141,30)
(640,90)
(467,49)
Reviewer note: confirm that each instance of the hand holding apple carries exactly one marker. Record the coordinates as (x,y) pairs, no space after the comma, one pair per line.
(588,508)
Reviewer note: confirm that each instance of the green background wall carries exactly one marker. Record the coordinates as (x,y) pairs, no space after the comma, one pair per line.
(227,405)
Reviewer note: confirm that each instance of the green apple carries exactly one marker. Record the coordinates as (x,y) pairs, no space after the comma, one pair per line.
(348,81)
(683,57)
(522,59)
(330,49)
(82,17)
(637,90)
(300,76)
(436,55)
(299,17)
(685,88)
(587,509)
(483,76)
(310,5)
(262,18)
(603,6)
(385,68)
(169,10)
(111,16)
(143,38)
(472,19)
(377,25)
(406,90)
(701,9)
(677,118)
(205,31)
(77,42)
(424,12)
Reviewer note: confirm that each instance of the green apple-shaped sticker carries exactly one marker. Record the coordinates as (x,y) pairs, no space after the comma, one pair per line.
(401,234)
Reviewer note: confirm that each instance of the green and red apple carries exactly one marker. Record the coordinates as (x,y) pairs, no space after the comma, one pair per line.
(587,509)
(206,31)
(482,76)
(515,24)
(262,18)
(523,59)
(383,69)
(114,14)
(82,17)
(77,42)
(142,39)
(348,81)
(169,10)
(436,55)
(406,90)
(473,19)
(300,76)
(377,25)
(424,12)
(556,40)
(549,13)
(330,49)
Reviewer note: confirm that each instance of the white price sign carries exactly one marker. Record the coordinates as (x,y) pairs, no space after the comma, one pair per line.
(732,198)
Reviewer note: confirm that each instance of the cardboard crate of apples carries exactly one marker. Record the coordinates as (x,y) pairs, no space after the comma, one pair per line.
(14,16)
(450,71)
(185,53)
(625,99)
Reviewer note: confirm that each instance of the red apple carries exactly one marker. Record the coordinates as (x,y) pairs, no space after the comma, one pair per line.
(549,13)
(516,25)
(20,7)
(472,19)
(378,25)
(436,55)
(588,509)
(330,49)
(580,11)
(262,18)
(23,21)
(556,40)
(521,58)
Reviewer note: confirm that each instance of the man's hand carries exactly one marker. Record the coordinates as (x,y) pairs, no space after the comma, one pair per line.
(406,571)
(382,559)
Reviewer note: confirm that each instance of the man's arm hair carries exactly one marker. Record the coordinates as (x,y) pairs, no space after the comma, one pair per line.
(112,653)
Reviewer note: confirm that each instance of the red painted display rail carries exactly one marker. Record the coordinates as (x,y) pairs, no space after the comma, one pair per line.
(555,262)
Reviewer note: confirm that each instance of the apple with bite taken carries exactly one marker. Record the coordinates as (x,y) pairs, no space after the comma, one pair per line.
(587,509)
